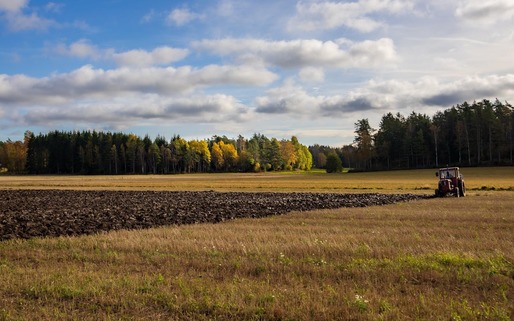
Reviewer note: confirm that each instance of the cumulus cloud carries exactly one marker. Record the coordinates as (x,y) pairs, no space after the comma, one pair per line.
(17,20)
(294,100)
(355,15)
(225,8)
(312,74)
(287,99)
(299,103)
(12,5)
(88,82)
(148,108)
(422,95)
(485,11)
(138,57)
(54,7)
(82,49)
(303,53)
(181,16)
(471,88)
(158,56)
(149,16)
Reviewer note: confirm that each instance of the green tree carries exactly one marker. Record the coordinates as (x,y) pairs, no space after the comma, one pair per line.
(274,155)
(334,164)
(388,142)
(364,142)
(131,152)
(154,157)
(179,148)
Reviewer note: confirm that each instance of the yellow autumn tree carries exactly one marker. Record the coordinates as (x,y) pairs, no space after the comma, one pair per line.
(288,152)
(230,156)
(217,156)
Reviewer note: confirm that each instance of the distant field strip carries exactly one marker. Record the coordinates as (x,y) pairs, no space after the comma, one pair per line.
(419,181)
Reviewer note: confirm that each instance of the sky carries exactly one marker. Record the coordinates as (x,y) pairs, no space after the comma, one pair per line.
(200,68)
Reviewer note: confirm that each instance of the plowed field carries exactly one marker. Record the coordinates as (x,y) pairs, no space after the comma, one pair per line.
(35,213)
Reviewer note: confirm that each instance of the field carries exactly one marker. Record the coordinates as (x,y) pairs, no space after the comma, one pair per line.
(431,259)
(423,181)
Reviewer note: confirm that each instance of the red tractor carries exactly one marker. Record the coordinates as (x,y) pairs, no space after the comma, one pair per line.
(451,182)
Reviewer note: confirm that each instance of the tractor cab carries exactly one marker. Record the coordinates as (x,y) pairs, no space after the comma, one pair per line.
(451,182)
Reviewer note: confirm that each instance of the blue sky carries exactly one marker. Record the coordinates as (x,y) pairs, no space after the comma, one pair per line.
(280,68)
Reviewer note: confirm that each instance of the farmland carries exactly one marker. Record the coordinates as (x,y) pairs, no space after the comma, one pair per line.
(428,259)
(407,181)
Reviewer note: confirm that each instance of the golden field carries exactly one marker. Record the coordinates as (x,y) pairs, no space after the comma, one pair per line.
(501,178)
(435,259)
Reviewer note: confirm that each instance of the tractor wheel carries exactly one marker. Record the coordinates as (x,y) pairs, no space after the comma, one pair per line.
(457,192)
(437,193)
(462,189)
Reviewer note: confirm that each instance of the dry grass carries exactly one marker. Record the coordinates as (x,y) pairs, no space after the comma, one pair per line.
(437,259)
(500,178)
(450,259)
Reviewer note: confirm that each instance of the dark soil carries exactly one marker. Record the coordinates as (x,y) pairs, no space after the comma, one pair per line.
(35,213)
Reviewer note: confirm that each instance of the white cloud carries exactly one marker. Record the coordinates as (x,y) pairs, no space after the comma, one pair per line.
(149,108)
(90,83)
(12,5)
(312,74)
(81,49)
(423,95)
(356,15)
(303,53)
(485,12)
(54,7)
(225,8)
(138,57)
(148,16)
(158,56)
(469,89)
(17,20)
(287,99)
(181,17)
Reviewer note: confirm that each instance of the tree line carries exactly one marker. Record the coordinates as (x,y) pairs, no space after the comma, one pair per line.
(476,134)
(92,152)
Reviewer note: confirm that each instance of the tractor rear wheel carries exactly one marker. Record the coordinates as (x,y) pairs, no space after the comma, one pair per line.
(462,189)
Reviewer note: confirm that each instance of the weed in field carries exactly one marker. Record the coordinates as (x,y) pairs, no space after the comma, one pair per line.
(463,310)
(360,303)
(318,261)
(283,259)
(384,307)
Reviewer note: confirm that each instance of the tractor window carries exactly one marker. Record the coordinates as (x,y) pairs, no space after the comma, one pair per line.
(447,173)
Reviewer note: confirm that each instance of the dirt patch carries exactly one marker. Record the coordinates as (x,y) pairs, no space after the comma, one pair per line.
(34,213)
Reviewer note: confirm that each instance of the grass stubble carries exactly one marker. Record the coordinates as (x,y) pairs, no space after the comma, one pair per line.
(437,259)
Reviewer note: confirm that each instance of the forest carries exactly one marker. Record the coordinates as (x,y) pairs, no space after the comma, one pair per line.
(92,152)
(476,134)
